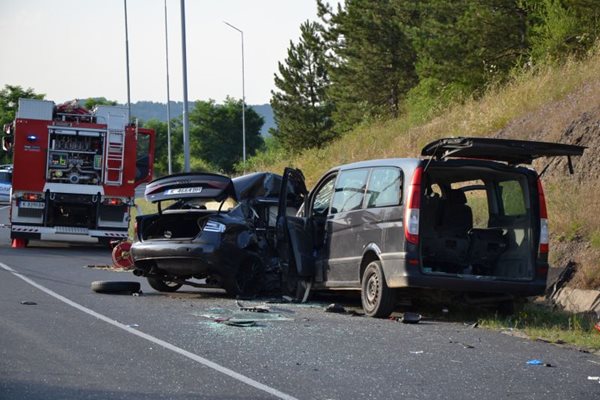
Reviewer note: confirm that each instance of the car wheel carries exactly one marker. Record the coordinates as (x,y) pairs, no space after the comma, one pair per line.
(244,281)
(115,287)
(163,285)
(378,300)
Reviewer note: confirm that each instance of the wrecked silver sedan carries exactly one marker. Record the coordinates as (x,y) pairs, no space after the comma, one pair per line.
(211,228)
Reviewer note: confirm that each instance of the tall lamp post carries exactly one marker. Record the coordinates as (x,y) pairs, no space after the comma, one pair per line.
(127,63)
(186,128)
(243,96)
(168,95)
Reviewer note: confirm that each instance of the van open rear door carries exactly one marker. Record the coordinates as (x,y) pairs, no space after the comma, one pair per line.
(511,151)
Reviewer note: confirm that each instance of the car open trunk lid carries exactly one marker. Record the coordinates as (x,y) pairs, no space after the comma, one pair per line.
(190,185)
(511,151)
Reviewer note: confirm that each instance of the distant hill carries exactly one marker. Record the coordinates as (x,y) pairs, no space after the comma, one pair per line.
(146,110)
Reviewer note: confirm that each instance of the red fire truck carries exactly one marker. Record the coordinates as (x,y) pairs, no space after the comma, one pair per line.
(75,171)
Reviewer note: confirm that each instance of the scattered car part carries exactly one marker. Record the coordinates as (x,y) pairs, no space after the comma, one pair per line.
(335,308)
(411,318)
(258,309)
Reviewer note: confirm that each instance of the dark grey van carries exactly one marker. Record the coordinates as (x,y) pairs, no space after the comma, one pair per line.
(466,217)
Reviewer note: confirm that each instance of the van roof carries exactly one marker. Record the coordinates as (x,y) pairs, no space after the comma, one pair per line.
(404,163)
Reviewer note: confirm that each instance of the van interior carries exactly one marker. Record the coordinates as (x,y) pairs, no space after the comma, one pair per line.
(477,221)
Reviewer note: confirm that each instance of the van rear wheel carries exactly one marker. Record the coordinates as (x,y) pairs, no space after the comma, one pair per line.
(378,300)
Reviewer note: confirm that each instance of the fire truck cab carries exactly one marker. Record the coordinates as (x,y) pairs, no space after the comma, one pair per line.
(75,171)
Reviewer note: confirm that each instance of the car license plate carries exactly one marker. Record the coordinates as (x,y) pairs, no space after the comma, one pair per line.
(186,190)
(31,204)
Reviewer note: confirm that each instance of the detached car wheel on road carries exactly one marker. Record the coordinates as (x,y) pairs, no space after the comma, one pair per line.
(115,287)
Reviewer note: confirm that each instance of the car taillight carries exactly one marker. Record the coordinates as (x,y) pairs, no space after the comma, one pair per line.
(412,209)
(544,234)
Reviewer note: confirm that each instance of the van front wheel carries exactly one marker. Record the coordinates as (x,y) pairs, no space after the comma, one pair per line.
(378,300)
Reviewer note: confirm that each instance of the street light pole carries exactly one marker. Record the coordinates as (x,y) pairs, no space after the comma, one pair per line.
(243,96)
(127,63)
(186,127)
(168,96)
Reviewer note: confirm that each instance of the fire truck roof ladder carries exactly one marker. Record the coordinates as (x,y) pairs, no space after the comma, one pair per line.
(115,151)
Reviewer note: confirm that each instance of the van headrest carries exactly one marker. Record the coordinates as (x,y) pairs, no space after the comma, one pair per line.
(457,196)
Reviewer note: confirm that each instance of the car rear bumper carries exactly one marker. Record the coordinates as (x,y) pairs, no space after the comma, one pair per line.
(181,258)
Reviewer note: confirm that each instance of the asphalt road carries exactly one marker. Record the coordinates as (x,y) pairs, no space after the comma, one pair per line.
(77,344)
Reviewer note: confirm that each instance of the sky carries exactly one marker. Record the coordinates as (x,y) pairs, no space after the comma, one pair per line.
(74,49)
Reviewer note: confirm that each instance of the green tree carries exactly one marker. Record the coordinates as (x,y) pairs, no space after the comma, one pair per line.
(160,145)
(562,27)
(216,133)
(98,101)
(9,102)
(371,56)
(301,108)
(462,45)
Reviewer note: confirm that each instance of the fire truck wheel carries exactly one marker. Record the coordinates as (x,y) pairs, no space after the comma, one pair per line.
(115,287)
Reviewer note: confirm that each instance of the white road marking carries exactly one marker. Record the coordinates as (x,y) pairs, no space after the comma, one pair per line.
(166,345)
(2,208)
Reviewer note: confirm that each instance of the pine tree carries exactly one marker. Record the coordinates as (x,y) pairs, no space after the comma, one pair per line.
(372,58)
(466,44)
(301,108)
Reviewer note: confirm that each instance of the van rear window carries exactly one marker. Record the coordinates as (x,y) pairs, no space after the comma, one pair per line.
(513,200)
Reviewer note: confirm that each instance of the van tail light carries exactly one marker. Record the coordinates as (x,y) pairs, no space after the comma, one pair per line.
(412,210)
(544,233)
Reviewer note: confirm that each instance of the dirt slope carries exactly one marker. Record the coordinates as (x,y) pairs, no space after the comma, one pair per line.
(574,120)
(574,201)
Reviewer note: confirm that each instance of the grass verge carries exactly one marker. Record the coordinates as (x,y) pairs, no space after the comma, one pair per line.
(539,322)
